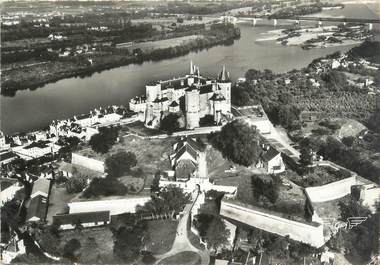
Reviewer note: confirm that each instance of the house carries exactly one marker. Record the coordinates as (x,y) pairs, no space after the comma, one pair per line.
(41,187)
(3,144)
(271,161)
(36,149)
(188,159)
(86,219)
(37,209)
(9,187)
(7,157)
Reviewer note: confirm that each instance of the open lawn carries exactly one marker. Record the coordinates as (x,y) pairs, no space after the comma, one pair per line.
(182,258)
(224,172)
(290,200)
(161,235)
(151,154)
(96,244)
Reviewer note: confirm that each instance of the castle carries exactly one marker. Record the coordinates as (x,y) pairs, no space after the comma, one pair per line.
(193,95)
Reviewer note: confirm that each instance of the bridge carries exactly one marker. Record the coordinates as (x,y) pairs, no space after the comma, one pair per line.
(298,19)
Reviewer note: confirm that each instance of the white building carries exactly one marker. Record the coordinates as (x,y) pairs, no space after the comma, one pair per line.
(36,150)
(9,187)
(3,144)
(41,187)
(271,161)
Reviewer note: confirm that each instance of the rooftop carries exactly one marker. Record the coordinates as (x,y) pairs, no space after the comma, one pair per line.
(101,216)
(7,155)
(41,185)
(39,144)
(37,208)
(269,154)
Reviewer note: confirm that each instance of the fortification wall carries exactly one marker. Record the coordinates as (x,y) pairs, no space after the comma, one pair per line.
(311,234)
(332,191)
(93,164)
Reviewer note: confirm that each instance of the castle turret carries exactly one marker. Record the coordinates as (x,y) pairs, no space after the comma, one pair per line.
(192,108)
(224,84)
(219,103)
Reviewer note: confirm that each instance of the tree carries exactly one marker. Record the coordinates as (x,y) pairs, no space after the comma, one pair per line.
(105,187)
(76,184)
(238,142)
(253,74)
(155,187)
(104,140)
(170,123)
(348,140)
(120,163)
(170,198)
(362,240)
(129,242)
(69,250)
(267,188)
(374,121)
(213,229)
(308,147)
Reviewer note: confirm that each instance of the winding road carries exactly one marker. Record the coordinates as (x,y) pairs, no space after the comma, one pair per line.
(181,242)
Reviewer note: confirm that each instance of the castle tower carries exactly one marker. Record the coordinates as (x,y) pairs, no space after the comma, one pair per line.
(191,68)
(192,108)
(225,84)
(157,107)
(190,79)
(219,103)
(153,91)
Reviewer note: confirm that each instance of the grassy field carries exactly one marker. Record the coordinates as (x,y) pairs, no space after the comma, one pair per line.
(219,169)
(96,244)
(151,154)
(290,201)
(161,235)
(183,258)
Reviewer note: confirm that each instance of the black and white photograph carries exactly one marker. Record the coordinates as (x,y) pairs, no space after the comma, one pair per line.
(190,132)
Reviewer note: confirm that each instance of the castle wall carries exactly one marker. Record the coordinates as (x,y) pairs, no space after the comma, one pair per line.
(90,163)
(332,191)
(311,234)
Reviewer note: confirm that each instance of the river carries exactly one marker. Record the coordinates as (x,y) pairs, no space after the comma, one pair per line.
(29,110)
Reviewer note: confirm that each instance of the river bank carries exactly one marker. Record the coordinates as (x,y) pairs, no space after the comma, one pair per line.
(38,75)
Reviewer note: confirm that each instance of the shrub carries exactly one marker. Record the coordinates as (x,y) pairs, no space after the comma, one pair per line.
(120,163)
(105,187)
(104,140)
(76,184)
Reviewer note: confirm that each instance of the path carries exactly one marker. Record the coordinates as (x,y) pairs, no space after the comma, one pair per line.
(181,242)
